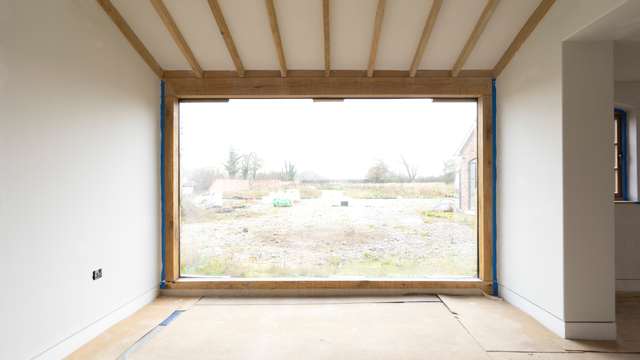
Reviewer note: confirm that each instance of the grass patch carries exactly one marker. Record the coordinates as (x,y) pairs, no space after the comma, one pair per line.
(399,190)
(192,214)
(431,216)
(249,194)
(309,192)
(216,266)
(369,265)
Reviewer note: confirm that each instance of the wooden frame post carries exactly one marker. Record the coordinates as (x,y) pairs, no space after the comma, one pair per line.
(318,86)
(172,188)
(485,188)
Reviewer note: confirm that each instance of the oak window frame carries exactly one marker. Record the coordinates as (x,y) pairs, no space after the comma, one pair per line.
(221,86)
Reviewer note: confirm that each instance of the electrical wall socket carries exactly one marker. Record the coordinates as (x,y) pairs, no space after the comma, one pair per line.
(97,274)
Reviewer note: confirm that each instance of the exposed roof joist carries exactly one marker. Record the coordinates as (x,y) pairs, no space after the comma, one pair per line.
(456,71)
(523,34)
(424,38)
(171,26)
(481,24)
(277,40)
(135,42)
(377,29)
(226,35)
(326,23)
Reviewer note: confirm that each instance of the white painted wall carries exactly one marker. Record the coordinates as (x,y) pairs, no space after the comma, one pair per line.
(531,222)
(79,148)
(627,62)
(589,249)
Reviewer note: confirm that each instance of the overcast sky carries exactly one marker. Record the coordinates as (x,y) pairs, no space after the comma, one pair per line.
(336,140)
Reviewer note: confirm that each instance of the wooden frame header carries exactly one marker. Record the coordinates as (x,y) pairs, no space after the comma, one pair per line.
(319,87)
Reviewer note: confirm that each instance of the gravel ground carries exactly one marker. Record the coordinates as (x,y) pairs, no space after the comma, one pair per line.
(370,237)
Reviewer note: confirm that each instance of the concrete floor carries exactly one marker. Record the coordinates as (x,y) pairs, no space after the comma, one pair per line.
(415,327)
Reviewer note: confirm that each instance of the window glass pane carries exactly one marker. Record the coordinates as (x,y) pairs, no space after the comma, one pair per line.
(296,188)
(617,155)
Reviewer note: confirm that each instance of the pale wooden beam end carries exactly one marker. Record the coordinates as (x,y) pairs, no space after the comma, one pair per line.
(533,21)
(424,38)
(377,29)
(171,26)
(481,24)
(326,22)
(128,33)
(226,36)
(277,39)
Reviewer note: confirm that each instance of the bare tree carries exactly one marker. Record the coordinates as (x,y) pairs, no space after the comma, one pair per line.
(378,173)
(449,171)
(250,163)
(232,163)
(245,165)
(203,178)
(412,170)
(254,166)
(289,171)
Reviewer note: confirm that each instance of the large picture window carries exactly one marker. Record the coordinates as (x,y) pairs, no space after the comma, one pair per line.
(302,189)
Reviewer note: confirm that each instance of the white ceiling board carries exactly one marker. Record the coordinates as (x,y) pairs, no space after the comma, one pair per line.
(197,25)
(401,30)
(620,23)
(351,29)
(504,25)
(301,30)
(452,29)
(351,33)
(146,24)
(248,23)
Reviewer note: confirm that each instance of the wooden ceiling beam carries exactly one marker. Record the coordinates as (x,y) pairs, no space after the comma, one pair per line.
(482,22)
(171,26)
(323,87)
(424,38)
(226,36)
(533,21)
(128,33)
(326,22)
(277,39)
(377,29)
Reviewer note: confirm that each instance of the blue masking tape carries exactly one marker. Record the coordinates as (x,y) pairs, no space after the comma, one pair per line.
(494,175)
(163,283)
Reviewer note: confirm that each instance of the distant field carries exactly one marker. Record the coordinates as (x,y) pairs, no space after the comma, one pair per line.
(360,190)
(387,230)
(397,190)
